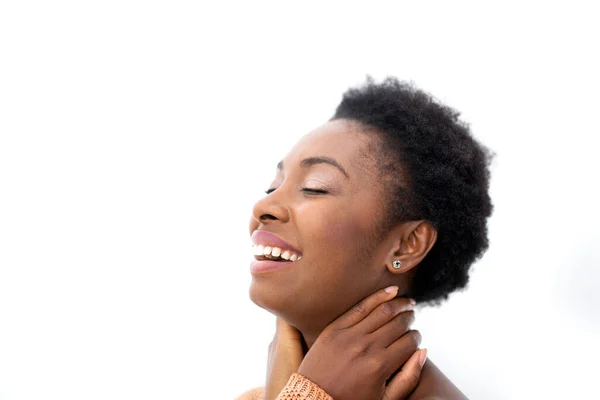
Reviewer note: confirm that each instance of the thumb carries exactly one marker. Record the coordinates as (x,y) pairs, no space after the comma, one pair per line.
(286,331)
(405,381)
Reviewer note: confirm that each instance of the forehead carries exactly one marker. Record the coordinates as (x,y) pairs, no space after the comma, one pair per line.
(346,141)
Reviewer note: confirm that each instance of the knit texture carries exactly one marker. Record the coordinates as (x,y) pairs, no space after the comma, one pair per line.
(297,388)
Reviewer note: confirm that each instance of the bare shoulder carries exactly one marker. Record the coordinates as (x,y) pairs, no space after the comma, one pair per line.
(434,385)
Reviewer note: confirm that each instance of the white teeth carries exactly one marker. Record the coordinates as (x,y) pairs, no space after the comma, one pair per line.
(274,252)
(258,250)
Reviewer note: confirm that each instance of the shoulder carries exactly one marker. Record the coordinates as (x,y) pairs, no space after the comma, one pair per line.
(252,394)
(434,385)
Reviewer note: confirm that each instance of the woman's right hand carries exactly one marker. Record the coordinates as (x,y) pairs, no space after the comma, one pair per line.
(355,355)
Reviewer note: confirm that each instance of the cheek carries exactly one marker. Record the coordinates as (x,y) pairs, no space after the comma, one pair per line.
(340,270)
(335,233)
(336,272)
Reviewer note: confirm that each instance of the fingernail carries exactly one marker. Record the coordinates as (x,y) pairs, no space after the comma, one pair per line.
(423,357)
(413,302)
(391,289)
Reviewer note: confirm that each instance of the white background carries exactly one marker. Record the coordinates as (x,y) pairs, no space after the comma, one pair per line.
(135,137)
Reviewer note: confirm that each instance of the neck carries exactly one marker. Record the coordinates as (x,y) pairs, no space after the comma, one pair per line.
(309,339)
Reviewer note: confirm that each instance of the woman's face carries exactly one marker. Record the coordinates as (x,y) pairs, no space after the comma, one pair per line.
(342,256)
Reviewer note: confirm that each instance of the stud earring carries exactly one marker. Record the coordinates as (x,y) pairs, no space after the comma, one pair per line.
(397,264)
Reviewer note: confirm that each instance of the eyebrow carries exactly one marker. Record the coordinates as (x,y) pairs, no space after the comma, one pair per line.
(307,162)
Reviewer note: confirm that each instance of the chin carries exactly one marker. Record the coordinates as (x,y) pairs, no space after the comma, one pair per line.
(254,294)
(263,296)
(272,298)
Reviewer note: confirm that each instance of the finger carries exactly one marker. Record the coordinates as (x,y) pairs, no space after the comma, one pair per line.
(394,329)
(407,379)
(287,331)
(401,350)
(363,308)
(383,314)
(282,325)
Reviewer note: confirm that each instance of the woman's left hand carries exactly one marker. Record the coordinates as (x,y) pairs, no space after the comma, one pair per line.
(286,352)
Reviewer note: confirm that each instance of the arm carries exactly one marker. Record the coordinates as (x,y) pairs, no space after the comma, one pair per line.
(297,388)
(434,385)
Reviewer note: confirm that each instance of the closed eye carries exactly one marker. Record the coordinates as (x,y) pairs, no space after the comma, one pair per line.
(308,190)
(314,191)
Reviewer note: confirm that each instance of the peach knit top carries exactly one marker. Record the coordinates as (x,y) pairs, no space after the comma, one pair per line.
(297,388)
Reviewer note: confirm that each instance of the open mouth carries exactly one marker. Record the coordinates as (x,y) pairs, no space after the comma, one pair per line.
(263,253)
(271,258)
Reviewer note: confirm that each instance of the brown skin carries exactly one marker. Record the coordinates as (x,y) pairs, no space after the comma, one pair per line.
(345,257)
(355,356)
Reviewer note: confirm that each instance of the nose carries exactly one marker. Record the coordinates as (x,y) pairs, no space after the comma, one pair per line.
(272,207)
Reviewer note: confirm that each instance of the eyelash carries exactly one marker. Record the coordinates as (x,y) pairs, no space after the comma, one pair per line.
(314,191)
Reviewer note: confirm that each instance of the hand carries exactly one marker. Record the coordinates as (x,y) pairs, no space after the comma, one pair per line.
(285,355)
(356,354)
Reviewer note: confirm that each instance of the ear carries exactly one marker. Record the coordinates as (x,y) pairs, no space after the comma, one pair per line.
(414,240)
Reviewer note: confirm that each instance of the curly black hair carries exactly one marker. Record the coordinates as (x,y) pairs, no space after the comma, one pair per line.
(432,169)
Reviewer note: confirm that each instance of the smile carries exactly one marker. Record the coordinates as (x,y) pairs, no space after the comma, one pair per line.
(262,252)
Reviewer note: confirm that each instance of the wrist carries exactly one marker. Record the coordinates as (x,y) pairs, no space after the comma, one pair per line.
(300,384)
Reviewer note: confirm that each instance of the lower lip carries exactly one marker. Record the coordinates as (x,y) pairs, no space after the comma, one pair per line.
(259,266)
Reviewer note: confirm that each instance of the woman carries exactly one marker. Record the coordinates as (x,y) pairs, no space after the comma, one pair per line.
(393,190)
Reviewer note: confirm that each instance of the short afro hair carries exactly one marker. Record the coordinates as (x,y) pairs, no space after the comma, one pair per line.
(432,169)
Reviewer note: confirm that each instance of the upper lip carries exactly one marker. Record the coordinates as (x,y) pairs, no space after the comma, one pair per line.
(270,239)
